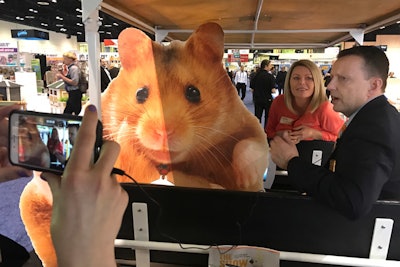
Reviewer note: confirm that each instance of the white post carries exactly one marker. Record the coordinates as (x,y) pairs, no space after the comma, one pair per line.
(90,18)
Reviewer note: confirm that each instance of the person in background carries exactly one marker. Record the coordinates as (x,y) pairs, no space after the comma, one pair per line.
(72,132)
(230,74)
(105,76)
(113,71)
(71,82)
(304,111)
(327,79)
(88,202)
(45,77)
(55,147)
(241,81)
(263,85)
(280,79)
(365,164)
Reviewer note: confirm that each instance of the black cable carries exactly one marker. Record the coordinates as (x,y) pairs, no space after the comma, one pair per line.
(159,215)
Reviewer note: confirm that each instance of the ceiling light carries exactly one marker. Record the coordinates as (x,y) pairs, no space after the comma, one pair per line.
(54,1)
(107,25)
(2,2)
(33,10)
(101,31)
(383,27)
(29,17)
(115,24)
(63,29)
(78,32)
(79,24)
(44,24)
(78,10)
(19,18)
(108,32)
(59,25)
(59,18)
(79,16)
(43,3)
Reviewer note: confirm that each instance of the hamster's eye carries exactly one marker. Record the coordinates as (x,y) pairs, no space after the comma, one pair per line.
(142,94)
(192,94)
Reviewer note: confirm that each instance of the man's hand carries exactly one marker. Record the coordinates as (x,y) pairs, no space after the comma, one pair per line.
(283,149)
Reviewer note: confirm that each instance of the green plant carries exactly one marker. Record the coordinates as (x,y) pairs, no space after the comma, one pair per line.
(63,99)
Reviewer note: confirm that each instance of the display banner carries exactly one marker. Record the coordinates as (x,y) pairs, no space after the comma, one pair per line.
(8,53)
(35,64)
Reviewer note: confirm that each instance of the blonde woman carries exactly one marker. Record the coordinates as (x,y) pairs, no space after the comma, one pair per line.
(304,110)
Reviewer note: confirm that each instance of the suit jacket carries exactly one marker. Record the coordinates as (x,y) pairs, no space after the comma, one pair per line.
(262,83)
(367,158)
(104,80)
(113,72)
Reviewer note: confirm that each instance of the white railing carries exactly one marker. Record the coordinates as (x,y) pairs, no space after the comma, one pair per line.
(142,246)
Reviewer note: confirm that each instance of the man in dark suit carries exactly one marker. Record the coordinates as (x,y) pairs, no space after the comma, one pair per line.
(105,76)
(280,79)
(365,165)
(113,71)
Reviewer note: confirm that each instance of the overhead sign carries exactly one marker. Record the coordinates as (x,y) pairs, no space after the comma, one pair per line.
(30,34)
(111,42)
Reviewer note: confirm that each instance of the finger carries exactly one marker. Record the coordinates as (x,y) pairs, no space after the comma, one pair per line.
(54,182)
(298,128)
(286,137)
(108,155)
(83,148)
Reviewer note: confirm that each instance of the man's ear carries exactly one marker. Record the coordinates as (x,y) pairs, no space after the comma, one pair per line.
(376,86)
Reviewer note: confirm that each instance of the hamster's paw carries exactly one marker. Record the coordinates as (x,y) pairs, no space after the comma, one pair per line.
(250,159)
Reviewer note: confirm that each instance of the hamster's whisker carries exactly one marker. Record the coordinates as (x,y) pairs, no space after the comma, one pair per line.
(207,145)
(205,160)
(217,131)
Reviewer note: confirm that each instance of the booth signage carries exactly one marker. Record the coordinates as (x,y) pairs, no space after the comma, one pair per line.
(8,47)
(30,34)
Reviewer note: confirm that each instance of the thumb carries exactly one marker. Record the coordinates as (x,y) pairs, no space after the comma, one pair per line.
(54,182)
(286,136)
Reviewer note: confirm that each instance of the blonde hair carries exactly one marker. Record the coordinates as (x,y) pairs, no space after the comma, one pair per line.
(70,55)
(319,95)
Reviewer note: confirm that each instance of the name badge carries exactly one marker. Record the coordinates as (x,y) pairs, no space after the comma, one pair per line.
(286,120)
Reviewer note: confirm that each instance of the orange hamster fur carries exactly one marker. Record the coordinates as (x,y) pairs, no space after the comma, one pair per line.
(172,105)
(175,105)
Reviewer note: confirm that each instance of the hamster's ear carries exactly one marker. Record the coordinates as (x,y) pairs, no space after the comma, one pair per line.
(207,43)
(134,47)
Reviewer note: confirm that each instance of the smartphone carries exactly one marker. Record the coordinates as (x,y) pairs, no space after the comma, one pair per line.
(44,141)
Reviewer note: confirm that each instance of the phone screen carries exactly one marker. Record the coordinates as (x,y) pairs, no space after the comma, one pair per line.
(42,141)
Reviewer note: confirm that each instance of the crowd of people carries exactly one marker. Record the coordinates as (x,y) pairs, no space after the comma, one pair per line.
(88,203)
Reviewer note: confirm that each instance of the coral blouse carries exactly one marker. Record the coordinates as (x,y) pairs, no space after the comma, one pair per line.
(324,119)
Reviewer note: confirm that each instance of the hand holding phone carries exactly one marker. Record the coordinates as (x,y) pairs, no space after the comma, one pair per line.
(43,141)
(88,202)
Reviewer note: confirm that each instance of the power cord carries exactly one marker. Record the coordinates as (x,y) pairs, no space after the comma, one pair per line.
(160,211)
